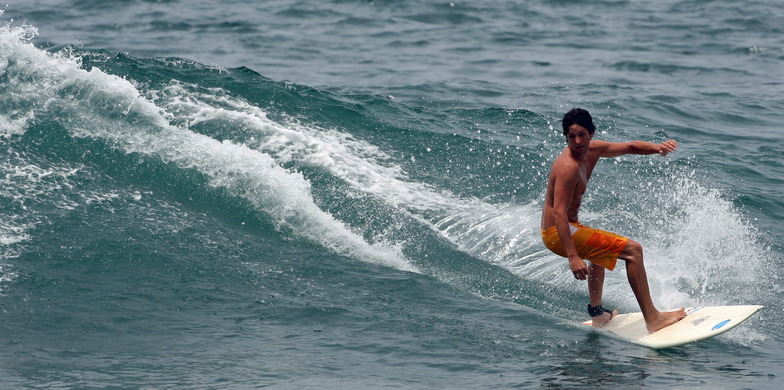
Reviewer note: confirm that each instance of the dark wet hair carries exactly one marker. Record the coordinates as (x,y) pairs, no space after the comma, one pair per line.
(580,117)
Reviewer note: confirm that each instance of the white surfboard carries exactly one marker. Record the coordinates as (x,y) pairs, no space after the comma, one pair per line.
(700,323)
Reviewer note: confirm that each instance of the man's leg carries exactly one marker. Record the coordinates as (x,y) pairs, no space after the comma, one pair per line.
(595,287)
(595,283)
(638,280)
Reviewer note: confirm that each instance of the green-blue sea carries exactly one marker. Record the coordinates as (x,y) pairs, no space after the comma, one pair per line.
(346,194)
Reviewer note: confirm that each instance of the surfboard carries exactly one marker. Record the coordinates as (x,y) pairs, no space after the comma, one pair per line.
(700,323)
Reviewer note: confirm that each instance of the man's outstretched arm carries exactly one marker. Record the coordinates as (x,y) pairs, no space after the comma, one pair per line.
(615,149)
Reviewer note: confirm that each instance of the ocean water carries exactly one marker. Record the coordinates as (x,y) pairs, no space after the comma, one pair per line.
(346,194)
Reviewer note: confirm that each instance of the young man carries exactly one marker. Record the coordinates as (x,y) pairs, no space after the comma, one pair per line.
(563,234)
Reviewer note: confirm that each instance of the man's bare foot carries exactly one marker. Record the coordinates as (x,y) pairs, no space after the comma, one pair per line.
(665,319)
(602,320)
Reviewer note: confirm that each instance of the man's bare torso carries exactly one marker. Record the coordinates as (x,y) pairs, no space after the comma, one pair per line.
(566,162)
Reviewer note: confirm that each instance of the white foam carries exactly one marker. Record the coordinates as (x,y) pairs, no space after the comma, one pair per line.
(22,182)
(96,105)
(360,164)
(710,250)
(502,234)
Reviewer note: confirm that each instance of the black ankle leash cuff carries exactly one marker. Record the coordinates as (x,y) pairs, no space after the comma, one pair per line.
(595,311)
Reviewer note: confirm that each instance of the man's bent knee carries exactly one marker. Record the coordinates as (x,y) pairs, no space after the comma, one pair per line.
(632,251)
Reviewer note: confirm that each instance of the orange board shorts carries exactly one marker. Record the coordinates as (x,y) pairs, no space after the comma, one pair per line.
(598,246)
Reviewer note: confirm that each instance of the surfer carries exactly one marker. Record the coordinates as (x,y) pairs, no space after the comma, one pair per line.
(565,236)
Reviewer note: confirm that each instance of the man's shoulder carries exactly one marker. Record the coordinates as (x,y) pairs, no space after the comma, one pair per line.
(597,144)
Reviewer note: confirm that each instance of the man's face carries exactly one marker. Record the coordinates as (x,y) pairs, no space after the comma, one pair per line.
(578,138)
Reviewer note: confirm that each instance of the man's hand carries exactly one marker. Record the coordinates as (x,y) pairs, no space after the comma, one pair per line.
(668,147)
(579,268)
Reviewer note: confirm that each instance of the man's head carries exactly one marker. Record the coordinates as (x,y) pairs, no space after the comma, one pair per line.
(580,117)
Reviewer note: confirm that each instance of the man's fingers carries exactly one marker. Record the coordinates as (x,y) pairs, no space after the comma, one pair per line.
(668,147)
